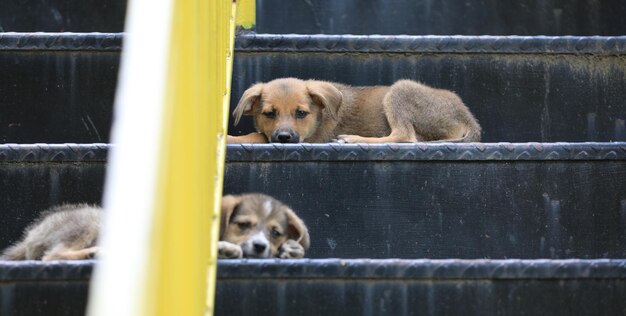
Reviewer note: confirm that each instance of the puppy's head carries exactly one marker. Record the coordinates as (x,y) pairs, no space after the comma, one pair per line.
(260,224)
(288,110)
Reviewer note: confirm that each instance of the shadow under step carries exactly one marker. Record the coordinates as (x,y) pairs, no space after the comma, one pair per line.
(500,200)
(356,287)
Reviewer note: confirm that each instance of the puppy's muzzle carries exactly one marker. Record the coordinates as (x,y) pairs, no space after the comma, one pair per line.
(256,247)
(285,136)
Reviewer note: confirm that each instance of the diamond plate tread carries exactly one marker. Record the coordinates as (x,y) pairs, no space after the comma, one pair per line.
(54,152)
(344,152)
(61,41)
(423,151)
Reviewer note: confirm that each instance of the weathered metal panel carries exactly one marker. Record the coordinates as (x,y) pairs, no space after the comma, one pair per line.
(62,16)
(443,17)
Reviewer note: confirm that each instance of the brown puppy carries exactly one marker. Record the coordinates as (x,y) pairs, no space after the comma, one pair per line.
(259,226)
(290,110)
(66,232)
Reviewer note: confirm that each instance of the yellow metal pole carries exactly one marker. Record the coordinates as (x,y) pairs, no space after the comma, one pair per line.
(183,269)
(163,211)
(246,13)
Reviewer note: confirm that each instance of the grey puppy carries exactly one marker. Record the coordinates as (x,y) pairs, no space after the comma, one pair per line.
(66,232)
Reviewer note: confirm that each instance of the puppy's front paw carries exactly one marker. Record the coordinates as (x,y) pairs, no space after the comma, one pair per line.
(345,139)
(291,249)
(93,252)
(227,250)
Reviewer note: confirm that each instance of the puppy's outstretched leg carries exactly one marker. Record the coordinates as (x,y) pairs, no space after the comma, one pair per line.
(254,138)
(290,249)
(61,252)
(227,250)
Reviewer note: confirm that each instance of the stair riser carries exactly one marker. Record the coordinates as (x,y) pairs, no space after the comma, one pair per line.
(443,17)
(57,96)
(478,297)
(62,16)
(334,297)
(449,209)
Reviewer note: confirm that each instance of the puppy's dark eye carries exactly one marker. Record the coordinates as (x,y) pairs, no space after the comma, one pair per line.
(270,114)
(275,233)
(301,114)
(243,225)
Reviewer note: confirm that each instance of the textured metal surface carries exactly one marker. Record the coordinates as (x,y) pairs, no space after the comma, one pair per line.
(390,269)
(347,152)
(343,152)
(425,151)
(251,42)
(60,88)
(61,41)
(62,15)
(53,152)
(469,17)
(449,209)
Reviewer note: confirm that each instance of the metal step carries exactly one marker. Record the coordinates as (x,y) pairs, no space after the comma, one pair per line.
(502,200)
(521,89)
(356,287)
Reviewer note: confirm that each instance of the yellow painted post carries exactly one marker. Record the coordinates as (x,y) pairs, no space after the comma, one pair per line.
(246,13)
(163,200)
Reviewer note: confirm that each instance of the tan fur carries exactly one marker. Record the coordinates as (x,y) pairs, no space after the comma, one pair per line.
(248,215)
(66,232)
(406,111)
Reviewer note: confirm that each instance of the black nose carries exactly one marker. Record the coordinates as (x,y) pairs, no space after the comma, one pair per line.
(259,247)
(285,136)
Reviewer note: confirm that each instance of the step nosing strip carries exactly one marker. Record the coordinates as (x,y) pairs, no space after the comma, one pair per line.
(599,45)
(250,42)
(460,152)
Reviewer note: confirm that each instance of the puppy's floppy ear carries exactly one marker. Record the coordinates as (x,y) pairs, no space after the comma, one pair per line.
(229,204)
(249,98)
(325,95)
(297,230)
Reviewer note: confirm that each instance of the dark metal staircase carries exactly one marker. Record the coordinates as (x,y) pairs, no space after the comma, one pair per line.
(531,222)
